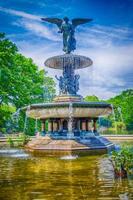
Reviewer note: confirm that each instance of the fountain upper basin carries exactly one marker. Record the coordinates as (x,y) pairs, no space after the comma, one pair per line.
(62,110)
(78,61)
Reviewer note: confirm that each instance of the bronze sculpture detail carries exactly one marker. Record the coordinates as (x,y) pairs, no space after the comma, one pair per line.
(68,30)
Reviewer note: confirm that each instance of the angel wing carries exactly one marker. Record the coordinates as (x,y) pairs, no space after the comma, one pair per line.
(78,21)
(56,21)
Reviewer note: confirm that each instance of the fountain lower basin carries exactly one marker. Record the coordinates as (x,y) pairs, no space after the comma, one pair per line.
(61,110)
(71,126)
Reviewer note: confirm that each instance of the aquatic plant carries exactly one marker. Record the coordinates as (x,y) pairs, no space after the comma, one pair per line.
(10,141)
(122,162)
(24,139)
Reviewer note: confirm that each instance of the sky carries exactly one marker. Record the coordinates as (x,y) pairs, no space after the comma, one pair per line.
(107,40)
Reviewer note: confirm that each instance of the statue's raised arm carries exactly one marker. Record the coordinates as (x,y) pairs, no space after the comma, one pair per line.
(68,30)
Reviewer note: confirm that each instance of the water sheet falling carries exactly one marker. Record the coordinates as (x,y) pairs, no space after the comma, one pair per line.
(114,117)
(70,121)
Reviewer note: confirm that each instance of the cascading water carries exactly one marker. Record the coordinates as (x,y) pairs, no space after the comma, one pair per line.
(120,113)
(36,125)
(15,117)
(70,121)
(99,121)
(26,119)
(25,123)
(114,117)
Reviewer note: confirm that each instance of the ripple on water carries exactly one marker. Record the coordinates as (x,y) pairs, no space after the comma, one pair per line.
(9,151)
(69,157)
(22,155)
(14,153)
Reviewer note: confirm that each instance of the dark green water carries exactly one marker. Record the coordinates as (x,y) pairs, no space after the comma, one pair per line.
(28,177)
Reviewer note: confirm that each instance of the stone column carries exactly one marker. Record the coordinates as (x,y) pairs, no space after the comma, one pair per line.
(43,131)
(50,126)
(89,125)
(60,124)
(84,125)
(55,125)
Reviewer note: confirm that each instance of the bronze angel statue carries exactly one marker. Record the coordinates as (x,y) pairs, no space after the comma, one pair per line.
(68,30)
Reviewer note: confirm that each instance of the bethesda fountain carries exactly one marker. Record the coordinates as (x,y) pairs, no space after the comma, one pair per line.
(69,123)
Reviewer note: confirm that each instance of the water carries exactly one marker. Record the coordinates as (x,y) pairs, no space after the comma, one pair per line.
(26,119)
(114,117)
(120,113)
(15,116)
(56,177)
(69,157)
(25,123)
(70,122)
(16,153)
(36,125)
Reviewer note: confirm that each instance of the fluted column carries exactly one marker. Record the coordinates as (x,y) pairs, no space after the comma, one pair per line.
(89,125)
(50,126)
(55,125)
(43,126)
(60,124)
(84,125)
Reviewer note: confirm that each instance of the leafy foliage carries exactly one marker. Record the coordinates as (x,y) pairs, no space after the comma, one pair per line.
(122,161)
(21,83)
(125,102)
(10,141)
(5,114)
(23,139)
(123,109)
(92,98)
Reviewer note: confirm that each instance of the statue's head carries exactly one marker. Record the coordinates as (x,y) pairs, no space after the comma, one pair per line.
(66,19)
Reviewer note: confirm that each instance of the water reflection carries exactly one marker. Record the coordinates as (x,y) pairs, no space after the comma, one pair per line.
(69,157)
(16,153)
(49,178)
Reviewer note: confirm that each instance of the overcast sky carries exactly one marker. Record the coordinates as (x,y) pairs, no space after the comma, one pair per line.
(107,40)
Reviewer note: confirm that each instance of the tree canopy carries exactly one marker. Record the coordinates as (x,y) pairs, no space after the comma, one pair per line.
(123,107)
(92,98)
(21,82)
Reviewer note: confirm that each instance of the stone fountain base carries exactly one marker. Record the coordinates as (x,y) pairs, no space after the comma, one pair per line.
(98,144)
(70,123)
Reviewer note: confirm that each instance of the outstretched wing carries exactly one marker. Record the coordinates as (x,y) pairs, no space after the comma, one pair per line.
(78,21)
(56,21)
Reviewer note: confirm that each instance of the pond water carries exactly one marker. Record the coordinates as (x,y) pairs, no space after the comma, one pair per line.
(24,176)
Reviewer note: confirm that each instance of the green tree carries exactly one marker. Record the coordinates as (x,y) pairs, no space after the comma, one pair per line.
(92,98)
(21,83)
(123,109)
(124,101)
(5,115)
